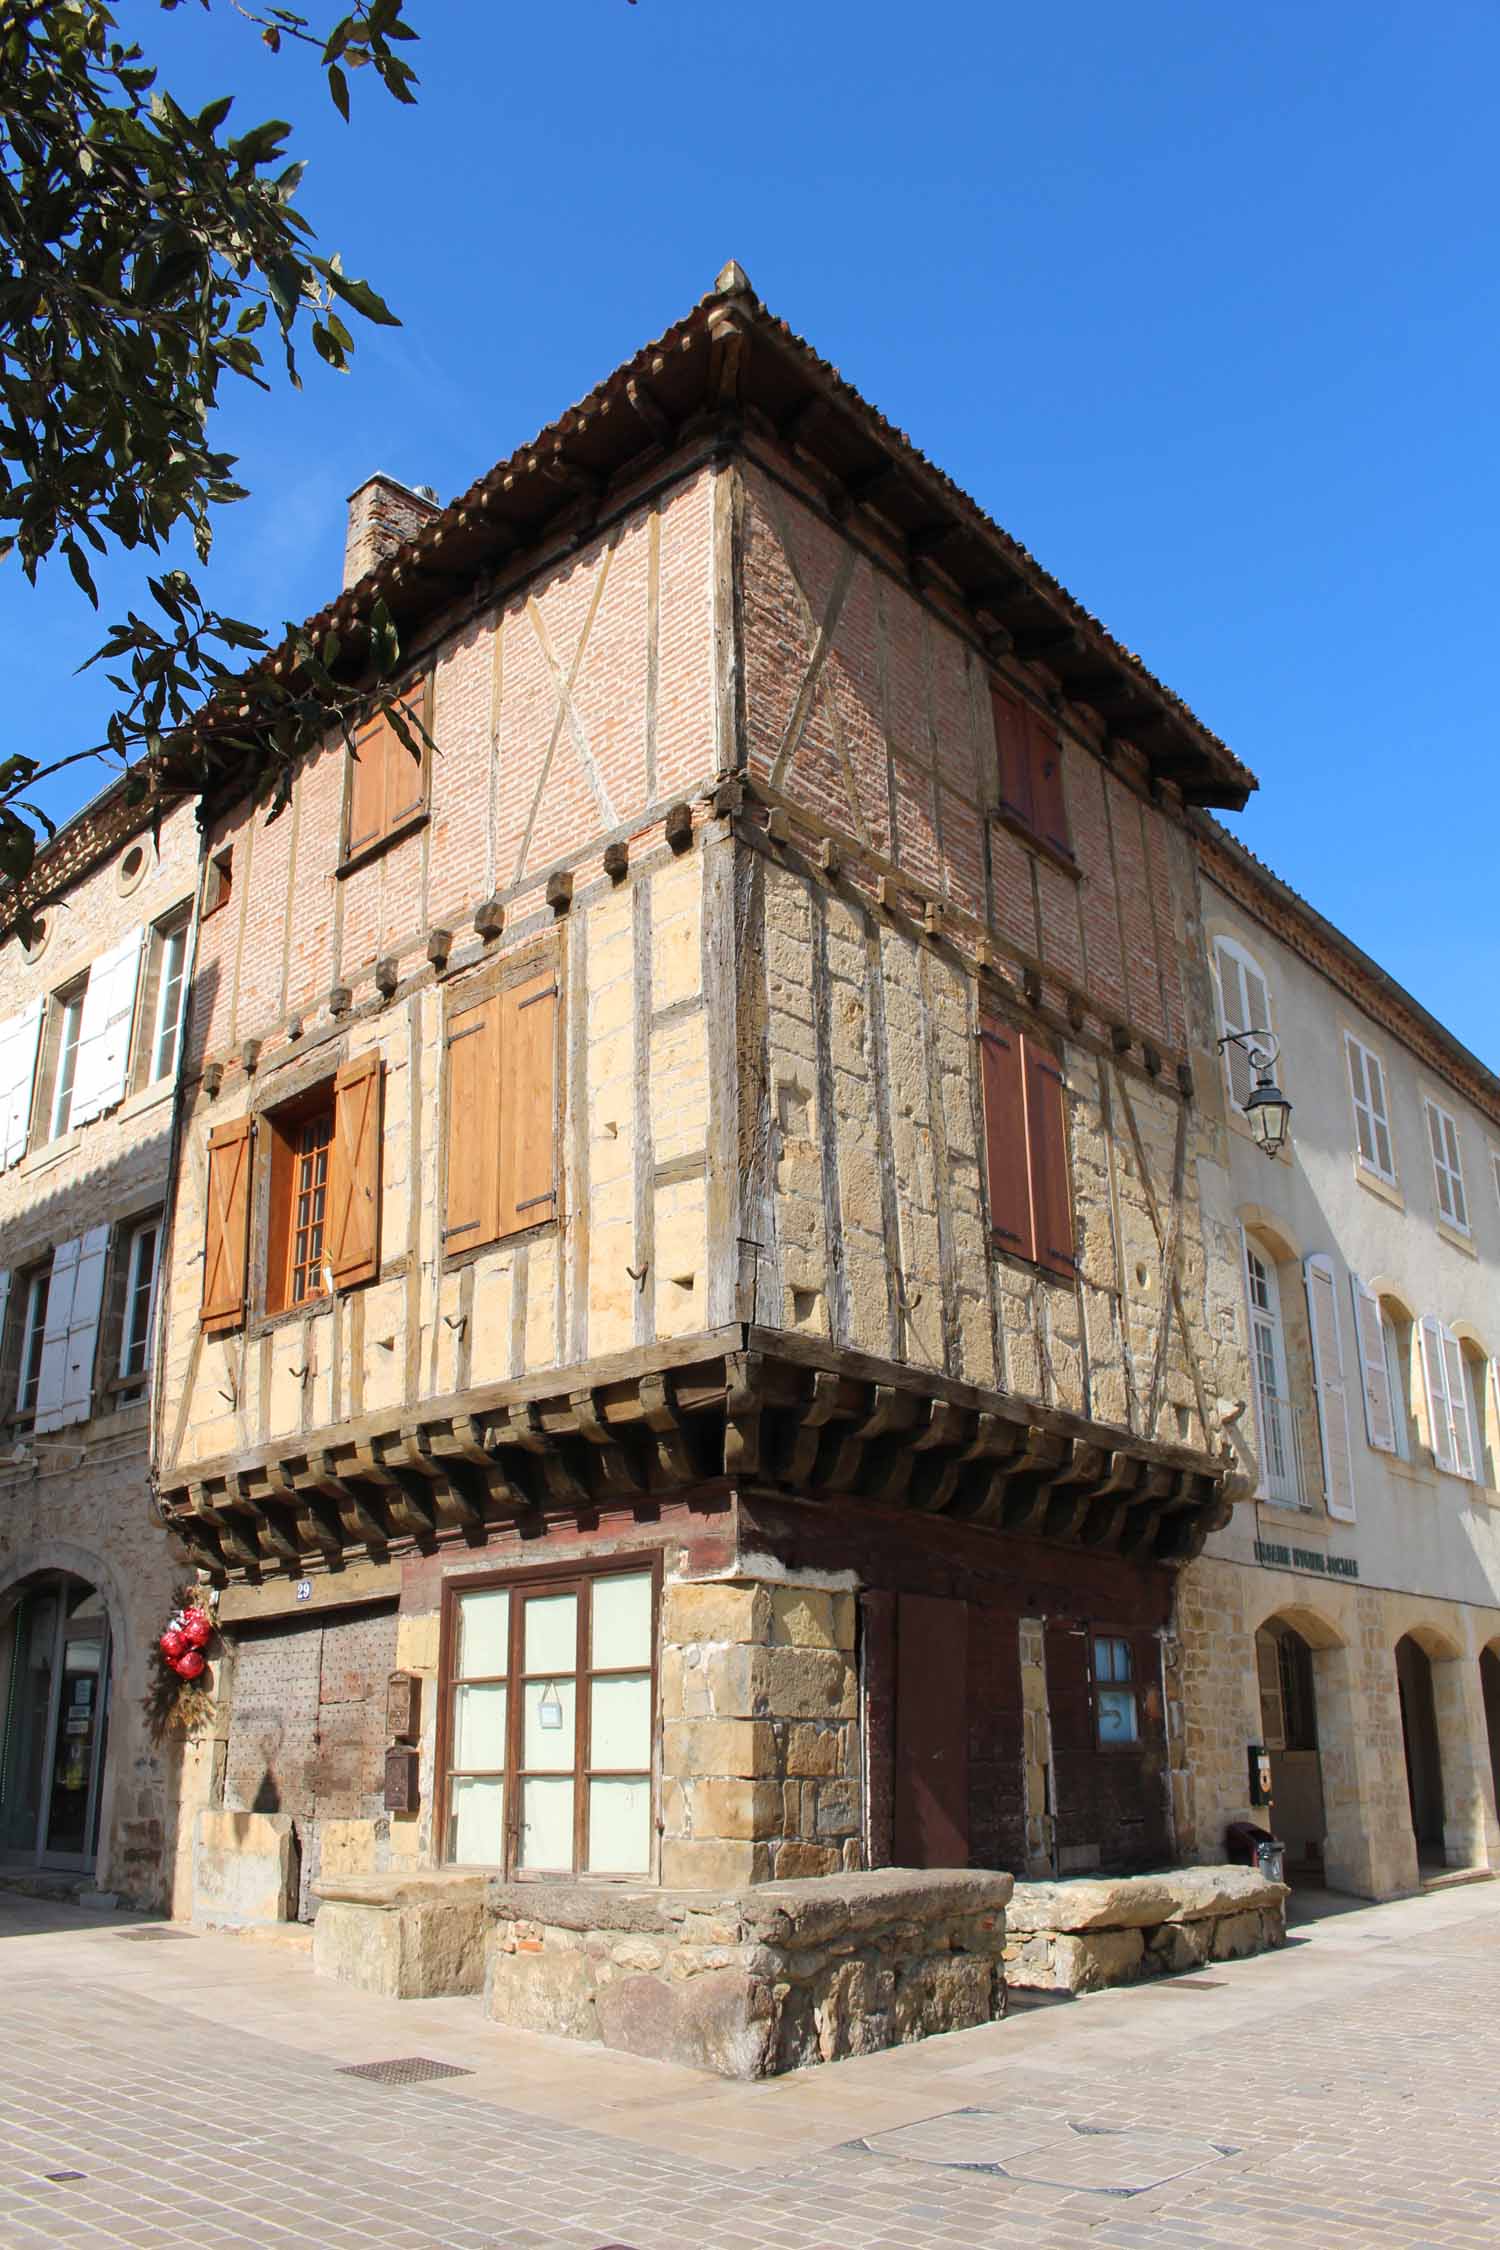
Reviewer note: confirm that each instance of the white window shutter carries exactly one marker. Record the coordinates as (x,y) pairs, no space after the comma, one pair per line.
(1458,1403)
(1380,1411)
(104,1033)
(1385,1160)
(18,1046)
(1328,1375)
(4,1299)
(1244,1005)
(83,1326)
(1439,1417)
(55,1323)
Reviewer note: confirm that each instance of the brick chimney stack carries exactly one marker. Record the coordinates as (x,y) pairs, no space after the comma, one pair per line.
(383,514)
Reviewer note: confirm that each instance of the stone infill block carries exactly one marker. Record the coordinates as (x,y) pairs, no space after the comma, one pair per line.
(1083,1935)
(404,1936)
(1133,1902)
(752,1981)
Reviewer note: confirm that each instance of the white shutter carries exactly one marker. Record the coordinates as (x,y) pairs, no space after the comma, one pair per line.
(104,1033)
(18,1045)
(1380,1411)
(1244,1005)
(55,1322)
(1328,1375)
(1458,1403)
(1439,1416)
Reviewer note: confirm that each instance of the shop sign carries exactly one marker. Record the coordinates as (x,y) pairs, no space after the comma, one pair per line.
(1305,1558)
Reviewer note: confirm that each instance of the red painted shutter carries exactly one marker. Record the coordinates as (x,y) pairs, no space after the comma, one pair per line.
(1006,1159)
(473,1126)
(1048,802)
(354,1173)
(528,1102)
(1047,1148)
(227,1240)
(1013,755)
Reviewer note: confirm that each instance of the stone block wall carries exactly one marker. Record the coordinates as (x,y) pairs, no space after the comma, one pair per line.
(1083,1936)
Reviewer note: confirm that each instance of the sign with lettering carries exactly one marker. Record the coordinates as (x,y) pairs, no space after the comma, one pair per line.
(1305,1558)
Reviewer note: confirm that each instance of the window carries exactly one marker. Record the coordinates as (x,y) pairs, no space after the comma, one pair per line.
(1450,1431)
(218,882)
(19,1039)
(1026,1148)
(1478,1394)
(1244,1005)
(165,1000)
(33,1318)
(1447,1167)
(102,1068)
(502,1111)
(64,1382)
(386,791)
(1029,752)
(1115,1709)
(1280,1478)
(300,1143)
(549,1725)
(1326,1331)
(1381,1393)
(64,1024)
(1396,1336)
(1372,1127)
(139,1300)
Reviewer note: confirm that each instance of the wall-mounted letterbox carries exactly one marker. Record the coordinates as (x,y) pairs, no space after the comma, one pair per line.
(400,1780)
(1260,1774)
(403,1706)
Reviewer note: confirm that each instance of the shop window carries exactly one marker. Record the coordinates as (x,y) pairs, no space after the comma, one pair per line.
(1447,1167)
(549,1724)
(1116,1708)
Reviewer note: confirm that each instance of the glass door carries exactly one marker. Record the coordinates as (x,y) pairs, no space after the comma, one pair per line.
(56,1730)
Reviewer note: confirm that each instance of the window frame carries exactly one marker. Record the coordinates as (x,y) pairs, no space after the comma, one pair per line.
(555,1578)
(1273,1319)
(1115,1637)
(29,1303)
(64,1007)
(1398,1382)
(1380,1121)
(282,1129)
(1440,1166)
(128,1378)
(218,882)
(173,928)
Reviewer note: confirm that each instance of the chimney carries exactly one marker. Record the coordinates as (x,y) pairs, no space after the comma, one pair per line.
(383,515)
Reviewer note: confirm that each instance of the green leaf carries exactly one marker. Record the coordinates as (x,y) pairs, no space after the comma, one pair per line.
(364,299)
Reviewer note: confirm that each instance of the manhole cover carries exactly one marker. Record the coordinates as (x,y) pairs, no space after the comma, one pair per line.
(406,2070)
(139,1934)
(1095,2159)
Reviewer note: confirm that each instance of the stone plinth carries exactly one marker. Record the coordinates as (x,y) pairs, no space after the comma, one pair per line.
(406,1936)
(755,1981)
(1080,1936)
(244,1869)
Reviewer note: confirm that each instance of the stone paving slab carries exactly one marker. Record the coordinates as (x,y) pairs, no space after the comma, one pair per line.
(1340,2093)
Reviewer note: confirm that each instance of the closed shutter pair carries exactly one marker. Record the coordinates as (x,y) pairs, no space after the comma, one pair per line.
(351,1242)
(1026,1148)
(387,779)
(70,1329)
(1029,750)
(502,1113)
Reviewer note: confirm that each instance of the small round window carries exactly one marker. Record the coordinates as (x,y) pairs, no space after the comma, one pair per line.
(39,937)
(132,867)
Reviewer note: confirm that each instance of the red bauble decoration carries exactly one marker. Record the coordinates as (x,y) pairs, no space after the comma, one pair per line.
(191,1662)
(172,1644)
(196,1629)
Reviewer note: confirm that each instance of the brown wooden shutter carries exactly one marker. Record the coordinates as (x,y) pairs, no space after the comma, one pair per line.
(227,1240)
(367,763)
(1013,754)
(1005,1138)
(473,1125)
(405,773)
(528,1102)
(353,1237)
(1048,802)
(1047,1148)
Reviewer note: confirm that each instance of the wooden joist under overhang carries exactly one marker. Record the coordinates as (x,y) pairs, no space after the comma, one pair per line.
(742,1408)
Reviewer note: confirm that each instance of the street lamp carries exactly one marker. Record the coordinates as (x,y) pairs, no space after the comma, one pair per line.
(1267,1110)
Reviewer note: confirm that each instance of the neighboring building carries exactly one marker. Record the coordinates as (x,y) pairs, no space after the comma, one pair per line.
(1349,1618)
(89,1052)
(687,1241)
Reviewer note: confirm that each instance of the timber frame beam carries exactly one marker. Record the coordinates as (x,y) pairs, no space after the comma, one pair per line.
(752,1408)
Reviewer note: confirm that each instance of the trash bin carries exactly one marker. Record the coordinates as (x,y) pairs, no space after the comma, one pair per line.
(1250,1846)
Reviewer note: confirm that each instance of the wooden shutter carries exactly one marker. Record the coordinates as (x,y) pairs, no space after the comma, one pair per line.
(1458,1403)
(1439,1412)
(473,1050)
(1005,1138)
(387,784)
(1369,1335)
(104,1030)
(353,1237)
(227,1238)
(1328,1375)
(1013,755)
(1049,804)
(18,1050)
(1047,1154)
(405,772)
(528,1102)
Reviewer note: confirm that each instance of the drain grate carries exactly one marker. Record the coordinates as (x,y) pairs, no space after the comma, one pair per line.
(60,2176)
(406,2070)
(138,1935)
(1191,1984)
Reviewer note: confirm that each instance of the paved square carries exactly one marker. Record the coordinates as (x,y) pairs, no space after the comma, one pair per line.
(198,2094)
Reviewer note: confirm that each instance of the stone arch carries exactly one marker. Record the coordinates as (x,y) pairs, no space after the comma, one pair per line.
(1322,1790)
(1270,1228)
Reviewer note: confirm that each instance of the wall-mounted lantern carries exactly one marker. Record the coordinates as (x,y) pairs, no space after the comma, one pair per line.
(1267,1110)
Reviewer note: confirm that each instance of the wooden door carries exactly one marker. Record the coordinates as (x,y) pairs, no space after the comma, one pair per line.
(932,1732)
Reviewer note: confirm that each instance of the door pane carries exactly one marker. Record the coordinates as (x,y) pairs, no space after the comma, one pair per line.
(476,1823)
(620,1827)
(547,1825)
(620,1724)
(25,1746)
(621,1624)
(549,1726)
(551,1633)
(483,1636)
(479,1729)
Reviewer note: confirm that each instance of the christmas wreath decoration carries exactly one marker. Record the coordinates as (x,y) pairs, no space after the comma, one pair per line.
(178,1699)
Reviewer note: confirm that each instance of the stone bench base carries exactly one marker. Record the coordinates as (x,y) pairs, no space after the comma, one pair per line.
(1081,1935)
(754,1981)
(406,1936)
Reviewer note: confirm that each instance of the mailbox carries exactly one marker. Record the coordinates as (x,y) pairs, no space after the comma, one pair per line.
(1260,1774)
(403,1706)
(400,1780)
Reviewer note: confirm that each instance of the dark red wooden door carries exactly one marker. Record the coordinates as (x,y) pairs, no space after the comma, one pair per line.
(932,1746)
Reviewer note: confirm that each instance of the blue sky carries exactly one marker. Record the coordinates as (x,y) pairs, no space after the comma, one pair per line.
(1201,304)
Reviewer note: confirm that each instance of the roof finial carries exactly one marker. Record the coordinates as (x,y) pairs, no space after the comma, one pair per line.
(733,281)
